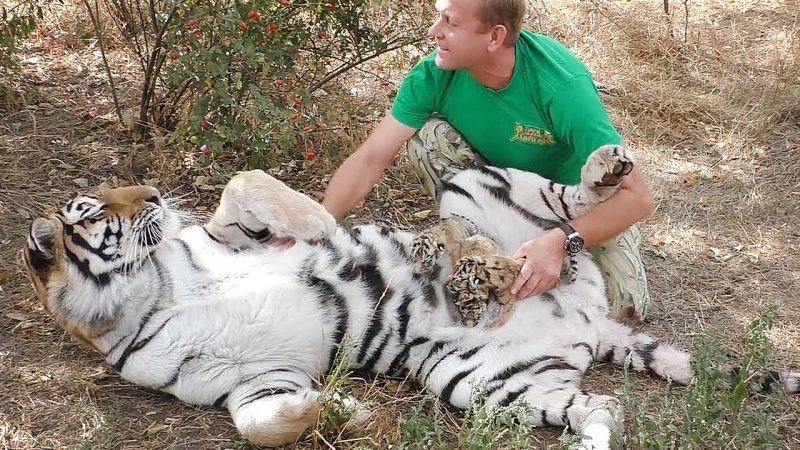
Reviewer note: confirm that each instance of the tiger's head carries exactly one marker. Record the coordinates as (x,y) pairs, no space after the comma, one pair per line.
(87,243)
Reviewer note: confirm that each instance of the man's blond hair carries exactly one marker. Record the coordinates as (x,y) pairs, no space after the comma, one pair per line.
(508,13)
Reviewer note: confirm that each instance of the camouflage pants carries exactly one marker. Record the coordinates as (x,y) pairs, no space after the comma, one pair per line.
(437,152)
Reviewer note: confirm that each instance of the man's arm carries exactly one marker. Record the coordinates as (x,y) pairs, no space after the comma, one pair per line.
(351,183)
(544,255)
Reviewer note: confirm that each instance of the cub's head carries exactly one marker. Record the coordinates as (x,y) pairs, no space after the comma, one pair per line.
(90,241)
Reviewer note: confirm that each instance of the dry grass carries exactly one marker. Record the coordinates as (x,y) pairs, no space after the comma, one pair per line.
(712,113)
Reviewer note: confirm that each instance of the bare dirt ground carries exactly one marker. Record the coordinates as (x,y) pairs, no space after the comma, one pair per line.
(713,115)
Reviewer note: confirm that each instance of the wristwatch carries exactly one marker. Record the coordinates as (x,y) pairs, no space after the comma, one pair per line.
(574,242)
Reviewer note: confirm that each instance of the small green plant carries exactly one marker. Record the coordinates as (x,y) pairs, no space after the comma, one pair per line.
(100,425)
(422,428)
(717,410)
(496,426)
(337,405)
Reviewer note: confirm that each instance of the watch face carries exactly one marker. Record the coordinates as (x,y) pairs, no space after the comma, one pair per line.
(575,245)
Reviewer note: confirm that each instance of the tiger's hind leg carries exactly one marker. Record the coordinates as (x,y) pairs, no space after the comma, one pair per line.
(275,408)
(546,380)
(257,209)
(479,282)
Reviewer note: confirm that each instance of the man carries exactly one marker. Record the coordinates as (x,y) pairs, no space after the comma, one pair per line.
(520,100)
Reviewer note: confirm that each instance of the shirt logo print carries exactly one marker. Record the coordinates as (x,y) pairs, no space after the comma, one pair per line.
(532,135)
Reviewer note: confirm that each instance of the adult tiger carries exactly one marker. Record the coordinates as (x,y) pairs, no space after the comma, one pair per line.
(216,315)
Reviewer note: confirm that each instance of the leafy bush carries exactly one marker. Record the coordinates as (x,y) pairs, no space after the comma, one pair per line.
(238,75)
(16,24)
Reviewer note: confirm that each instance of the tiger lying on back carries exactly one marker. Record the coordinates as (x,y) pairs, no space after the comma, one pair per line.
(216,315)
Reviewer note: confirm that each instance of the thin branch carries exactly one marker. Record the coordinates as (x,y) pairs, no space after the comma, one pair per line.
(94,15)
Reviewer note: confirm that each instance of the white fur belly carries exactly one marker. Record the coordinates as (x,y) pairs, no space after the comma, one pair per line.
(206,348)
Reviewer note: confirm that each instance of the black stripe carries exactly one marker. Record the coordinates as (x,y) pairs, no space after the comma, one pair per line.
(646,353)
(585,317)
(257,235)
(101,279)
(402,357)
(174,377)
(513,395)
(543,418)
(211,236)
(504,196)
(219,403)
(549,206)
(608,357)
(470,353)
(428,375)
(434,348)
(142,323)
(376,355)
(263,393)
(190,256)
(134,346)
(455,189)
(328,294)
(565,417)
(447,392)
(517,368)
(496,176)
(586,346)
(560,365)
(564,203)
(373,282)
(402,315)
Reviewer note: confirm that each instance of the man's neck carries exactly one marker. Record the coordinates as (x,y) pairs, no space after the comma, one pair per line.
(497,71)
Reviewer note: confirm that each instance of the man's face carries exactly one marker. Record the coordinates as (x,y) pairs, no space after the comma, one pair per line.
(461,37)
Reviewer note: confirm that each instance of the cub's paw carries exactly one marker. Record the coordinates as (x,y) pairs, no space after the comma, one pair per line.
(606,166)
(426,249)
(479,280)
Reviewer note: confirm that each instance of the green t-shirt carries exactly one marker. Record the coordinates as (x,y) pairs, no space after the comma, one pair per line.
(547,120)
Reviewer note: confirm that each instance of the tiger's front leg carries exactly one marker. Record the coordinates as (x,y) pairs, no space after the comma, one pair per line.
(480,282)
(602,174)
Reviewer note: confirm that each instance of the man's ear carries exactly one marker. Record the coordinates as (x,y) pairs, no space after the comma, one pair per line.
(498,36)
(42,239)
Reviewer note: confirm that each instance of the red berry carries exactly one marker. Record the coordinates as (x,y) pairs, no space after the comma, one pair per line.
(308,128)
(278,83)
(197,32)
(243,26)
(204,124)
(311,155)
(206,151)
(323,35)
(285,2)
(293,117)
(329,6)
(284,99)
(271,28)
(254,15)
(192,24)
(298,101)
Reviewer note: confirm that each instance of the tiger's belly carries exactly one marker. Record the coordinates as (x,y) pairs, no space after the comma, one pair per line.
(201,349)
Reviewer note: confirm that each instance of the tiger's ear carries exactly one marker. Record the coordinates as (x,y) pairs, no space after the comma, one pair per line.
(42,240)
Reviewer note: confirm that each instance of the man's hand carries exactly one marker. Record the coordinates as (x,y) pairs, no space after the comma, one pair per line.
(541,260)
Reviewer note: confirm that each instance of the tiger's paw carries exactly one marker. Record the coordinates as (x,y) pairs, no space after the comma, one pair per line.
(257,209)
(479,281)
(606,167)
